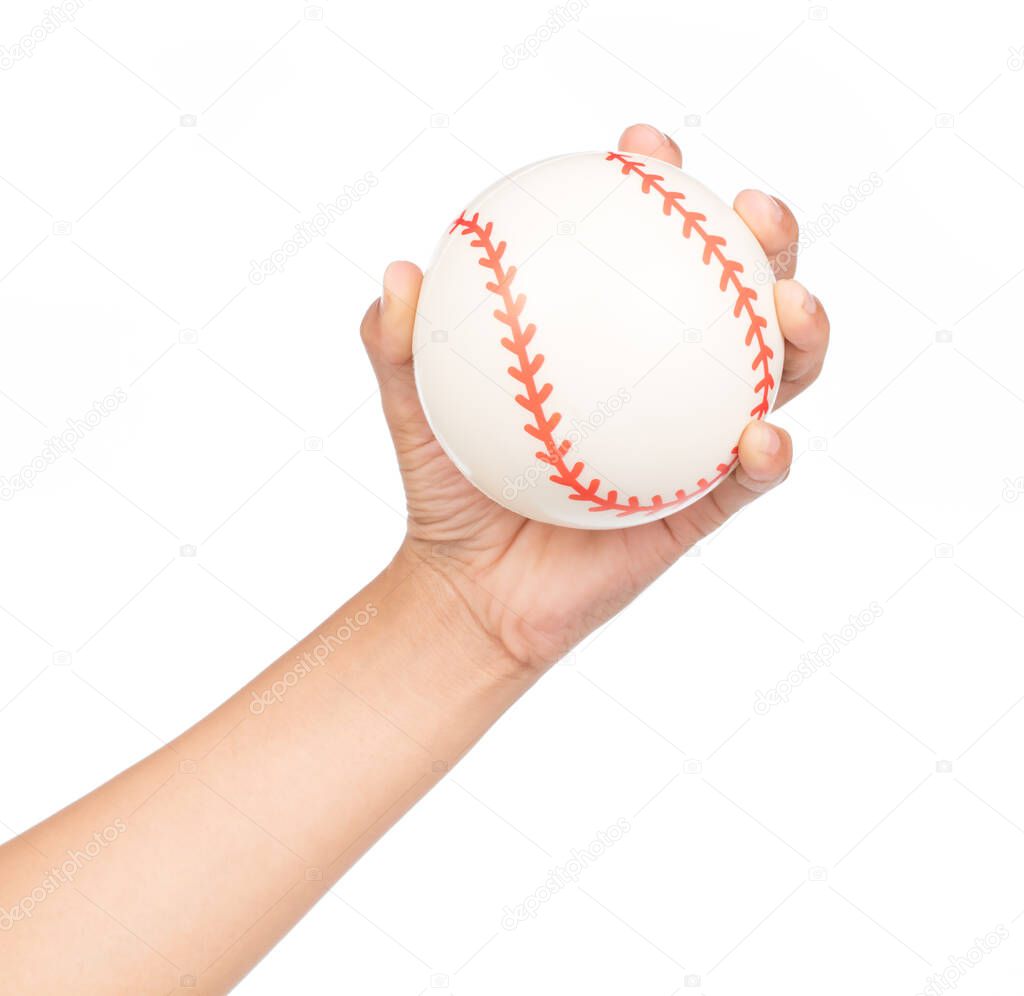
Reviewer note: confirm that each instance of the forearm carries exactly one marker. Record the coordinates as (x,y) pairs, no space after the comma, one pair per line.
(198,859)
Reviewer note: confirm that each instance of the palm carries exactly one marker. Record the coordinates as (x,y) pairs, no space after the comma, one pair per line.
(495,551)
(539,588)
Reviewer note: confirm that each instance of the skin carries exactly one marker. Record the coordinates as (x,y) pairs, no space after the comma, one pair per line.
(188,867)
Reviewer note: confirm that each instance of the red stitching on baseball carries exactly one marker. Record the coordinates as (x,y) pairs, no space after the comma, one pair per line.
(731,269)
(543,427)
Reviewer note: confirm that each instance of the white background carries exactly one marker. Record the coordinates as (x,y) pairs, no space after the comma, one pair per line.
(852,839)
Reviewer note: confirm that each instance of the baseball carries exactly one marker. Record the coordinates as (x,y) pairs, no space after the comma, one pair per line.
(593,334)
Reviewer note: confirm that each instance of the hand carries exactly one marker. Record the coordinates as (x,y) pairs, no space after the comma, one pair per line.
(534,590)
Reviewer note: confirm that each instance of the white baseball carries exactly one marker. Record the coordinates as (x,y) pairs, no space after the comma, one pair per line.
(593,335)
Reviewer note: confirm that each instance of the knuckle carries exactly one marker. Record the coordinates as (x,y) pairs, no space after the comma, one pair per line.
(369,327)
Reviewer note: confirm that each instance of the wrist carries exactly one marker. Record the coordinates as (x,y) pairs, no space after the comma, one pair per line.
(449,618)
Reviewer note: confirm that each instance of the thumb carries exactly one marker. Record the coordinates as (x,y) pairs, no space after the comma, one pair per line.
(387,335)
(765,455)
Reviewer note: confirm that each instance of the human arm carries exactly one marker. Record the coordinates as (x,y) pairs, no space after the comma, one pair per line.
(222,840)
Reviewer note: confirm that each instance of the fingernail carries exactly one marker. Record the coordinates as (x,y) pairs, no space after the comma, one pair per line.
(660,135)
(766,440)
(384,294)
(777,213)
(810,303)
